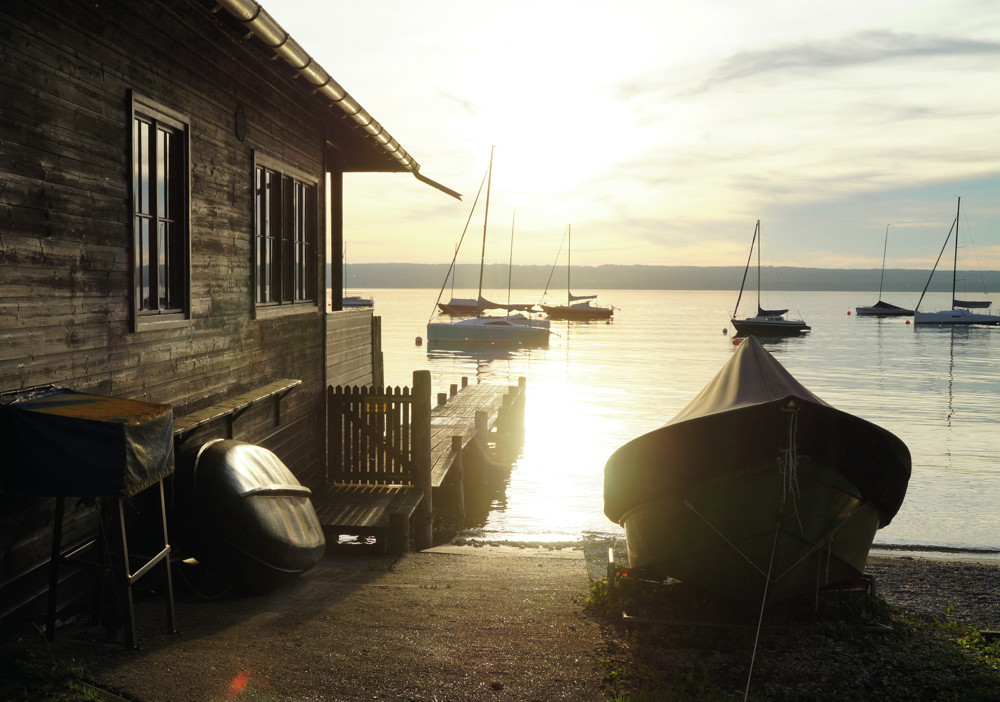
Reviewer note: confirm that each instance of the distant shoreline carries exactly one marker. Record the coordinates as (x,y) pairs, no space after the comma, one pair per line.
(615,277)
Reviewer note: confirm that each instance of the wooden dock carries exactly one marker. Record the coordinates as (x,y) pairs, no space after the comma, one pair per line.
(396,462)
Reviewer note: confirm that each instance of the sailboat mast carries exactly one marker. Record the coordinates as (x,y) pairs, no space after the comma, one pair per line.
(569,262)
(510,263)
(759,237)
(746,269)
(884,247)
(486,217)
(954,267)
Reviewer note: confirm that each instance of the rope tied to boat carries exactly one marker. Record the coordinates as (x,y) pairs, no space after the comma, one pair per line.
(725,538)
(788,463)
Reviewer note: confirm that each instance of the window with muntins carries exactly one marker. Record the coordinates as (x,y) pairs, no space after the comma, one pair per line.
(159,214)
(285,237)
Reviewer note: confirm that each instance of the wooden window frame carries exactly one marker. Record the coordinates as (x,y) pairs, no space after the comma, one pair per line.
(175,217)
(286,219)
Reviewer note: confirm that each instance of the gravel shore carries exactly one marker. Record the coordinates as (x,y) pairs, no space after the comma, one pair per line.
(472,621)
(964,591)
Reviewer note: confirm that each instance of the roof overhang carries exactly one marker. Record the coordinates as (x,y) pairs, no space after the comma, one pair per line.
(389,155)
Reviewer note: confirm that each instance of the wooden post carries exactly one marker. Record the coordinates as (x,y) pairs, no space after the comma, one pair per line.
(465,382)
(453,390)
(458,468)
(421,438)
(481,421)
(474,469)
(442,399)
(504,440)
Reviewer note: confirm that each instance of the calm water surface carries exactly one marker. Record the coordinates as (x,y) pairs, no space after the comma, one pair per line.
(599,385)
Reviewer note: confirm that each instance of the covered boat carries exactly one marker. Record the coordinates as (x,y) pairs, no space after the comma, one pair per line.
(758,488)
(243,514)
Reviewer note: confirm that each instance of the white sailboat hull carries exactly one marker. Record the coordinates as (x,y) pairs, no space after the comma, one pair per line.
(509,329)
(955,316)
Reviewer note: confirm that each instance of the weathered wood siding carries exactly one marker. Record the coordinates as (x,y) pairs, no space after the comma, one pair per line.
(66,72)
(351,341)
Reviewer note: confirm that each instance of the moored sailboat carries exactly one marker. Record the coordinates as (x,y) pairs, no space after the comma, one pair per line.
(758,489)
(577,307)
(766,322)
(961,311)
(882,308)
(512,328)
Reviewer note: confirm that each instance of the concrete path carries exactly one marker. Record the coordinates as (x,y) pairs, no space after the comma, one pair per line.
(451,623)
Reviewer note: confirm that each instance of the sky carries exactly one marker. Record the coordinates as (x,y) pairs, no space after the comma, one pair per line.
(661,131)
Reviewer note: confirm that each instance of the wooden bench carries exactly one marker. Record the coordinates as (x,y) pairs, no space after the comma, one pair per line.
(231,408)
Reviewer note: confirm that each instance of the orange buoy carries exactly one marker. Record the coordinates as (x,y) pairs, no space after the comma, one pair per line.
(848,313)
(419,341)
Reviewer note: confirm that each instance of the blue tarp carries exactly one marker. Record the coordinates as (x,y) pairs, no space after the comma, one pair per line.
(59,442)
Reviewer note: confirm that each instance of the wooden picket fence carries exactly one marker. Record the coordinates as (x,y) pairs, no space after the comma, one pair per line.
(370,438)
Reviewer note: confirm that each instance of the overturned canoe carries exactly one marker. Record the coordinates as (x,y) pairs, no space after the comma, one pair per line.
(757,488)
(243,514)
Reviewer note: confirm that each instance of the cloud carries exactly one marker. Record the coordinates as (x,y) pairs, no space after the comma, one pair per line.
(859,49)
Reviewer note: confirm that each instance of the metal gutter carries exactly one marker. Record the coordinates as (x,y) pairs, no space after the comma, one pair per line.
(259,23)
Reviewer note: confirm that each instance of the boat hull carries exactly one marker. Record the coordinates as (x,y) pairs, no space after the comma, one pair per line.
(719,538)
(765,326)
(534,332)
(956,316)
(243,514)
(571,312)
(883,312)
(352,301)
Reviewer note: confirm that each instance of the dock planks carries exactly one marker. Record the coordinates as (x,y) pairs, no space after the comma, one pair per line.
(360,507)
(458,417)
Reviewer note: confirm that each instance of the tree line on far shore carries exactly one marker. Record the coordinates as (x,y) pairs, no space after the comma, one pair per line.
(636,277)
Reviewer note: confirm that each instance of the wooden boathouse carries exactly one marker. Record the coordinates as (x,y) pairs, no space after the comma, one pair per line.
(170,207)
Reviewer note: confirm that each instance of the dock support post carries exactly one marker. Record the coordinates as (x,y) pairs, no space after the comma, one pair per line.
(474,469)
(421,438)
(458,467)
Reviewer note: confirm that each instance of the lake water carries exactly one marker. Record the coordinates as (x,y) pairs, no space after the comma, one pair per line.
(599,385)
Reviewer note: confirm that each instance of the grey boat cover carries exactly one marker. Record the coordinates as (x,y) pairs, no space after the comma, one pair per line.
(741,418)
(59,442)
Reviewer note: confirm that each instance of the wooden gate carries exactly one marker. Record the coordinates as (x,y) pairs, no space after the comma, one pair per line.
(370,436)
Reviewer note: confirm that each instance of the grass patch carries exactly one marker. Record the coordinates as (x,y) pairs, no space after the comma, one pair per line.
(679,645)
(24,677)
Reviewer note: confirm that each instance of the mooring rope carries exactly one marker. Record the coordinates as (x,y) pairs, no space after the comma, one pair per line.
(763,604)
(826,539)
(723,537)
(788,463)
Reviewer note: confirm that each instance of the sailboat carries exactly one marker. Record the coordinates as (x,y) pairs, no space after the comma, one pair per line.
(466,306)
(961,310)
(766,322)
(881,308)
(577,307)
(512,328)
